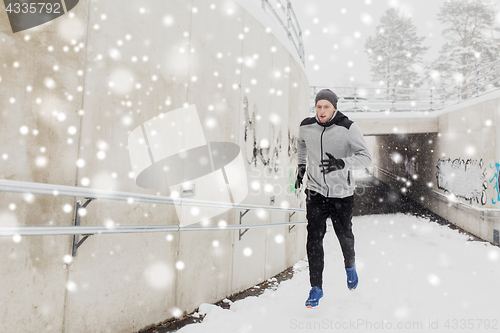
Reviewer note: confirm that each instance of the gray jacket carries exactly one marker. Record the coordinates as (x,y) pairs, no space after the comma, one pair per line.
(340,137)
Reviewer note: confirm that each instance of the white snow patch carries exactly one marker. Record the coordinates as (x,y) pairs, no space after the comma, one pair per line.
(430,278)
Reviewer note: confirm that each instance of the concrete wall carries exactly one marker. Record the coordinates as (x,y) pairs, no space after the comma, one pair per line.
(382,123)
(459,160)
(73,89)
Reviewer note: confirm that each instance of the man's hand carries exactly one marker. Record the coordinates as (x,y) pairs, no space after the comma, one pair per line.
(301,171)
(332,164)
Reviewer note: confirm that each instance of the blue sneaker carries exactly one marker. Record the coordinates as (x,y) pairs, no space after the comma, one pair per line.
(314,295)
(352,277)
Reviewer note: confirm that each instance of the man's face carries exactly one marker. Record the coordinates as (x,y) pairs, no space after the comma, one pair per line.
(324,110)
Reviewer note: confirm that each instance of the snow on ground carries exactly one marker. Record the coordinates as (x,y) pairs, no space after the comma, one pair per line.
(414,276)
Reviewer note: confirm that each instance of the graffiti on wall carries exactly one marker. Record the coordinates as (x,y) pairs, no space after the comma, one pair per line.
(291,182)
(264,150)
(463,178)
(495,179)
(292,146)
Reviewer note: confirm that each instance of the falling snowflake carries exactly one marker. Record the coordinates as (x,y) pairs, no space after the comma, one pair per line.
(85,181)
(366,18)
(247,252)
(433,280)
(67,259)
(72,130)
(71,286)
(114,54)
(24,130)
(41,161)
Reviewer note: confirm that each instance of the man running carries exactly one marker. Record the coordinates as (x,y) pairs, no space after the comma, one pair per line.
(331,146)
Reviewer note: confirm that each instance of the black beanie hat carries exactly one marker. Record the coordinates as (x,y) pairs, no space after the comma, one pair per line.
(328,95)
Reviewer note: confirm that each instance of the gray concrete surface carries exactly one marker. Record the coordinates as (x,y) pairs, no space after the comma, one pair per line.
(71,90)
(467,133)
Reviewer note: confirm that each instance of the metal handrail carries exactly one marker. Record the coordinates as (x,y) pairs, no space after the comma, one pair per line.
(294,16)
(482,68)
(71,191)
(483,76)
(277,16)
(281,5)
(295,32)
(453,86)
(92,230)
(449,200)
(490,82)
(294,25)
(471,86)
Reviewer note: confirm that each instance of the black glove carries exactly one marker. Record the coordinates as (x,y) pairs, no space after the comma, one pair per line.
(332,164)
(301,171)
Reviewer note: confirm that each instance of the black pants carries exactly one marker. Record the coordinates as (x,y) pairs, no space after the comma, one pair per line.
(319,208)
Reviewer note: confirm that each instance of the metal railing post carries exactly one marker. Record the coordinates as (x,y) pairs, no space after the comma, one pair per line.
(477,83)
(241,233)
(444,96)
(431,109)
(288,20)
(290,220)
(298,31)
(355,98)
(301,44)
(393,99)
(76,241)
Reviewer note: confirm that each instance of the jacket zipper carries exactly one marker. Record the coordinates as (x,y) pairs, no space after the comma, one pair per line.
(324,178)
